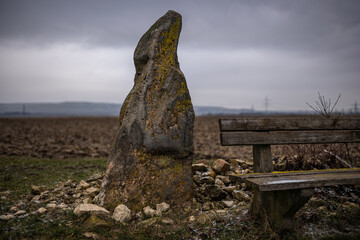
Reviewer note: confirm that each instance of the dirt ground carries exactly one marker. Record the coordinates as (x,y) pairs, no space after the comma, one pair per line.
(69,137)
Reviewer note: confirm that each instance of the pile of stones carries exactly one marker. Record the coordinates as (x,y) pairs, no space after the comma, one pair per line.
(214,193)
(213,185)
(64,196)
(79,197)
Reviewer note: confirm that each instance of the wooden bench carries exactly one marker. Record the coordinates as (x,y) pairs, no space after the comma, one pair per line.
(279,195)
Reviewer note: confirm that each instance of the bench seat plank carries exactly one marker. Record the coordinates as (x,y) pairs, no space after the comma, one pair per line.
(288,124)
(289,137)
(301,181)
(240,178)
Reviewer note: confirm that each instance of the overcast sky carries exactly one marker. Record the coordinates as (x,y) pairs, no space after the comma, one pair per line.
(233,53)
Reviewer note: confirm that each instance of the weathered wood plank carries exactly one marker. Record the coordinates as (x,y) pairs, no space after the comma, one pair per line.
(262,158)
(240,178)
(288,124)
(289,137)
(304,181)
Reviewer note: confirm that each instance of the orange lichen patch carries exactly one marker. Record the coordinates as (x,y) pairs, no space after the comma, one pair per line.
(165,60)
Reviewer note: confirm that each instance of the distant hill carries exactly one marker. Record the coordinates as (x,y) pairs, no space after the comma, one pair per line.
(59,109)
(98,109)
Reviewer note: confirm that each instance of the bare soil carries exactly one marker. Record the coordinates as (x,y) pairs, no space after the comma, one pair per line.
(70,137)
(91,136)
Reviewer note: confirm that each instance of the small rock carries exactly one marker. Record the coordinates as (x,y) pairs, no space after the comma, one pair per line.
(86,200)
(91,235)
(199,167)
(36,198)
(242,163)
(219,183)
(149,212)
(70,183)
(215,192)
(95,199)
(122,214)
(61,206)
(322,208)
(192,219)
(140,216)
(196,179)
(220,166)
(91,190)
(14,209)
(7,192)
(221,212)
(41,210)
(212,174)
(51,205)
(76,195)
(167,221)
(147,222)
(162,207)
(207,206)
(20,212)
(207,180)
(90,208)
(224,179)
(241,195)
(228,204)
(234,166)
(94,177)
(206,217)
(229,189)
(36,190)
(7,217)
(83,185)
(354,196)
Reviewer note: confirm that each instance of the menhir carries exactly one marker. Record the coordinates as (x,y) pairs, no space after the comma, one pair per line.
(151,155)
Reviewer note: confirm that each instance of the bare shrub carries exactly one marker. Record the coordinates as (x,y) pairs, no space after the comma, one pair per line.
(310,156)
(324,107)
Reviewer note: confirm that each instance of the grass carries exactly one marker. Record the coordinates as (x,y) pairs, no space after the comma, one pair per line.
(19,173)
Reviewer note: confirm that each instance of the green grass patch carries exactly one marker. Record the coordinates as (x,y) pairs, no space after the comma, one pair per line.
(19,173)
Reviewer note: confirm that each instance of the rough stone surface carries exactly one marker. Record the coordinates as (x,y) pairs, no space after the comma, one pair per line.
(90,208)
(7,217)
(215,192)
(122,214)
(35,190)
(41,210)
(163,207)
(207,180)
(221,166)
(20,212)
(199,167)
(149,212)
(150,160)
(168,221)
(241,195)
(228,204)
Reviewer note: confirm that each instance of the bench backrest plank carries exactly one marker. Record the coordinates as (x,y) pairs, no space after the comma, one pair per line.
(289,137)
(288,124)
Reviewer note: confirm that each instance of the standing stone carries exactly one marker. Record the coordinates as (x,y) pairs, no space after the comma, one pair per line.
(150,160)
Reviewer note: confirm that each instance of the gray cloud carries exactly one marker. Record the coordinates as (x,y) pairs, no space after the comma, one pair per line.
(234,53)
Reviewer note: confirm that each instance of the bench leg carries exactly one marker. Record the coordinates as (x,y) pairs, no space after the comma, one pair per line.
(262,158)
(280,206)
